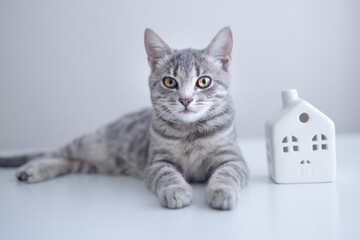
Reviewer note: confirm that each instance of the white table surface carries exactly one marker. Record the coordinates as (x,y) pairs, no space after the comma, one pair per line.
(114,207)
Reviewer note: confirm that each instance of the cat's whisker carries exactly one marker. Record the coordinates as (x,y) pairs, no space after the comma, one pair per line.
(144,113)
(169,117)
(164,111)
(218,108)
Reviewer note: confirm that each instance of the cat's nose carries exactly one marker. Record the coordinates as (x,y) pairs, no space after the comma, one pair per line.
(185,102)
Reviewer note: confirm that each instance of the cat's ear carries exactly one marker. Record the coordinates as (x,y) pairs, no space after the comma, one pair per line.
(155,47)
(221,46)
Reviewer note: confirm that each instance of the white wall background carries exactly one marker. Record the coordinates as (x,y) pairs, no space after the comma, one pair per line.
(67,67)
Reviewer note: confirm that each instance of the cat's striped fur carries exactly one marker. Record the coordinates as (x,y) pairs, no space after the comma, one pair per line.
(164,145)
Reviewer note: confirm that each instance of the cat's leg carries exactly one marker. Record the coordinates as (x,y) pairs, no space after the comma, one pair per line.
(168,184)
(86,154)
(224,185)
(42,169)
(48,167)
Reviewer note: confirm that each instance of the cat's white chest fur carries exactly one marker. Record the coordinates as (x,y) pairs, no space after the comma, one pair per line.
(192,157)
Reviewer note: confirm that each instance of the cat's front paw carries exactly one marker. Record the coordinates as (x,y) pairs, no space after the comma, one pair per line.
(222,197)
(175,196)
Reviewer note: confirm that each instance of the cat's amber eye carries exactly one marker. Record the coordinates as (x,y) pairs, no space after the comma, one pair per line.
(203,82)
(170,82)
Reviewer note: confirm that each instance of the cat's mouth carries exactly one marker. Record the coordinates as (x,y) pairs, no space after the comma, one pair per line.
(189,115)
(186,111)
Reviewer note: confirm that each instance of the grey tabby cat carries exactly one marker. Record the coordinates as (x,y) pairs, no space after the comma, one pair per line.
(188,135)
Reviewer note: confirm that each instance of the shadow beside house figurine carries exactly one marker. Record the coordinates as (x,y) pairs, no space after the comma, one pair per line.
(300,142)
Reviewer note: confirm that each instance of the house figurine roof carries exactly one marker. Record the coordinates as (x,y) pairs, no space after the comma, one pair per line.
(300,142)
(291,101)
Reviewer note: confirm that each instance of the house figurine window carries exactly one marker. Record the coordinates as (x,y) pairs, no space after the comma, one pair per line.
(319,142)
(290,142)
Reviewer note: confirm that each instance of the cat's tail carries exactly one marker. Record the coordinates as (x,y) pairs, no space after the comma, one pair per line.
(18,160)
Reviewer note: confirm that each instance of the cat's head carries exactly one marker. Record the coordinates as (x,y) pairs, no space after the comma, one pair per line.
(189,84)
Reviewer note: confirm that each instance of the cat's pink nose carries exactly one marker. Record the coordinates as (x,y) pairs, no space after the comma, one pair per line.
(185,102)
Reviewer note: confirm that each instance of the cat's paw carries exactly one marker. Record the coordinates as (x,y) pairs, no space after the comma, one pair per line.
(222,197)
(31,173)
(176,196)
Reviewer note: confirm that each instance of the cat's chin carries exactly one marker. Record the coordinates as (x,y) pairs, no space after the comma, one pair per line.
(188,116)
(191,115)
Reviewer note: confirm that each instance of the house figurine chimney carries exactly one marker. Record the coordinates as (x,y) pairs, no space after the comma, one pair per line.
(300,143)
(289,97)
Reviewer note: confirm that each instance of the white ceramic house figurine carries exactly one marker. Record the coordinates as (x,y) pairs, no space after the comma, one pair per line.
(300,143)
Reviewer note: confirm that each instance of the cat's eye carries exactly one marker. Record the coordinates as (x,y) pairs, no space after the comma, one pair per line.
(170,82)
(203,82)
